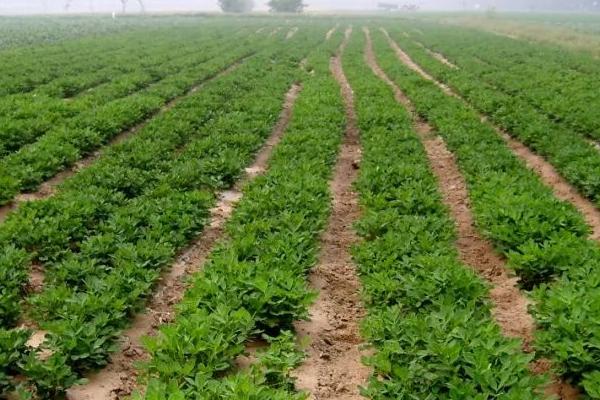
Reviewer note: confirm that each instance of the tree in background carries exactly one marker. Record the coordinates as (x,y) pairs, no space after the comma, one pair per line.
(236,6)
(286,6)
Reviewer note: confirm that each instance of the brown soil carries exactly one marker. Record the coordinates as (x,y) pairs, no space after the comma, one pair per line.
(48,188)
(333,368)
(246,360)
(4,210)
(558,388)
(275,31)
(37,339)
(562,189)
(119,378)
(36,278)
(510,305)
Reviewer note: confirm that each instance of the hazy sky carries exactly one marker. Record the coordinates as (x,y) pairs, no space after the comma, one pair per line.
(37,6)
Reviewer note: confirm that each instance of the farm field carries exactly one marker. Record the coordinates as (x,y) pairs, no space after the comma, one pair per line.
(298,207)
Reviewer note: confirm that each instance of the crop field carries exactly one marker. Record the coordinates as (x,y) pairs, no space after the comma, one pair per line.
(297,207)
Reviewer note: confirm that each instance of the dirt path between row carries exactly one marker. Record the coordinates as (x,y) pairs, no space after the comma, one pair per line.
(291,33)
(405,58)
(333,368)
(441,58)
(562,189)
(48,188)
(118,379)
(438,56)
(330,33)
(510,305)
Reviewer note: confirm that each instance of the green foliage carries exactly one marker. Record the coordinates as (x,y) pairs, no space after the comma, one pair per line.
(429,319)
(13,351)
(544,239)
(446,354)
(267,378)
(111,229)
(254,284)
(591,384)
(36,151)
(50,378)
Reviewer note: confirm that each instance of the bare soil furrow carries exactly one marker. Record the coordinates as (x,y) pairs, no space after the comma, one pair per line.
(405,58)
(118,379)
(333,368)
(291,33)
(48,188)
(438,56)
(510,305)
(561,188)
(441,58)
(330,33)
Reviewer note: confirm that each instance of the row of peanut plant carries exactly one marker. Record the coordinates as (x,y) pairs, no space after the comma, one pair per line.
(27,117)
(23,72)
(573,156)
(62,147)
(429,318)
(26,31)
(105,237)
(254,284)
(559,83)
(544,239)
